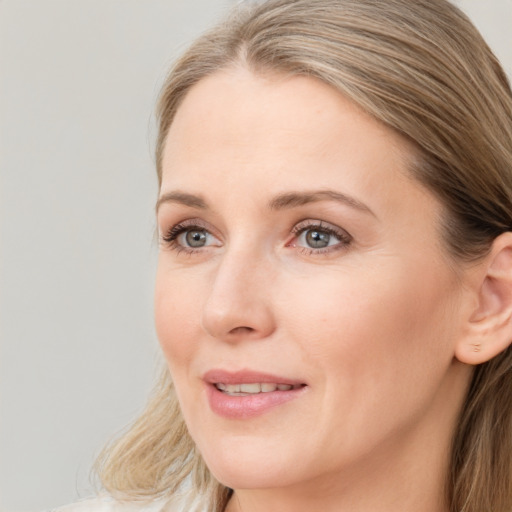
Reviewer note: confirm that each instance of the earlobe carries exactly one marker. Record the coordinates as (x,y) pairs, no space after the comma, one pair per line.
(489,327)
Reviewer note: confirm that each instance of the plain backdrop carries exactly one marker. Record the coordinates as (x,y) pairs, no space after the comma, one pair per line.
(78,82)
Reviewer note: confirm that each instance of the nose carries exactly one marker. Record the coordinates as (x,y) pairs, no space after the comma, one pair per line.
(239,303)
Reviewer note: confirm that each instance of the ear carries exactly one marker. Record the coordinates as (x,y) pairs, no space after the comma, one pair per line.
(489,327)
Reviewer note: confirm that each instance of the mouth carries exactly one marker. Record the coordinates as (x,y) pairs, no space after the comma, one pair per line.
(255,388)
(245,394)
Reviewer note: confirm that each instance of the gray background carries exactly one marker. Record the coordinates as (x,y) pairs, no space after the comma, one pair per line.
(77,188)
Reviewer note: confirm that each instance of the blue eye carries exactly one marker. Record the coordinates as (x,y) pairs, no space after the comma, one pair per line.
(189,237)
(193,238)
(318,237)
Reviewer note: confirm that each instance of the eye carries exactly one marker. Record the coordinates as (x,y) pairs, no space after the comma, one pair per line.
(193,238)
(189,236)
(316,238)
(319,237)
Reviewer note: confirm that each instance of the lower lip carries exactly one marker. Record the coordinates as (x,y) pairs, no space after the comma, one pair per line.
(240,407)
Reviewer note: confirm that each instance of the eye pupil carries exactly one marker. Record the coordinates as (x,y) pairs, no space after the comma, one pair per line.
(317,239)
(196,238)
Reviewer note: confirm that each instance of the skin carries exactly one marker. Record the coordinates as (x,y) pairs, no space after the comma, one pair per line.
(370,323)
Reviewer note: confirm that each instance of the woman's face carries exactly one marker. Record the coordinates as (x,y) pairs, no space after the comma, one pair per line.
(304,300)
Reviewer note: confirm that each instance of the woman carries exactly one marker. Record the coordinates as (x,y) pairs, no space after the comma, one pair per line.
(334,286)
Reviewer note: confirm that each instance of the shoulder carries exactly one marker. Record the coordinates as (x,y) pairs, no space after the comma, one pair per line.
(108,504)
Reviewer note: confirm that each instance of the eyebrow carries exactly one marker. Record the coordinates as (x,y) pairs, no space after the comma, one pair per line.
(294,199)
(281,202)
(183,198)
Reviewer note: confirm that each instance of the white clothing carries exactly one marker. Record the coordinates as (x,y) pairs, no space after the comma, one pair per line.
(108,504)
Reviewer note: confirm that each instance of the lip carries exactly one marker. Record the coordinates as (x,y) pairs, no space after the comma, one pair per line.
(242,407)
(246,377)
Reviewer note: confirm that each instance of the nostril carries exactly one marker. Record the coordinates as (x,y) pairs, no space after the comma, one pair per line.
(241,330)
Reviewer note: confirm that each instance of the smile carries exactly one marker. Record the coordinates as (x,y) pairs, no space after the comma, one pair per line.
(253,388)
(245,394)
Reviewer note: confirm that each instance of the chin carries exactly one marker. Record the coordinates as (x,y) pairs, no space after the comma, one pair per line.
(243,477)
(249,469)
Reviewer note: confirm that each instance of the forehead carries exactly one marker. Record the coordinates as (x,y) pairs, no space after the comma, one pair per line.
(237,128)
(267,95)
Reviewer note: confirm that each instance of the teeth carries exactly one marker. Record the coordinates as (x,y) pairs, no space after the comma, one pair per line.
(252,388)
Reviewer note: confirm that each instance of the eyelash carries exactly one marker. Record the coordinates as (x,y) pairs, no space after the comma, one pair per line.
(170,238)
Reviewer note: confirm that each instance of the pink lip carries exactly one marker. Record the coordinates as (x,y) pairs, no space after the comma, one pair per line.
(241,407)
(246,377)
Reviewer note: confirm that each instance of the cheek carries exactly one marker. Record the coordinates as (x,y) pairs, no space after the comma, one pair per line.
(177,316)
(377,327)
(378,350)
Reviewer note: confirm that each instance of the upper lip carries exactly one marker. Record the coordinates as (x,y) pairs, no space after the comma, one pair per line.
(216,376)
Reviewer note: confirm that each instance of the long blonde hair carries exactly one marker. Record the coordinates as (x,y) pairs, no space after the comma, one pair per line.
(420,67)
